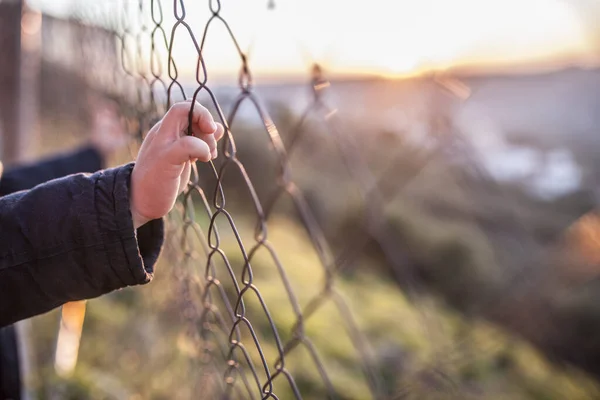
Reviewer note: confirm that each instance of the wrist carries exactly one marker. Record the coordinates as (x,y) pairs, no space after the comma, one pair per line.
(138,219)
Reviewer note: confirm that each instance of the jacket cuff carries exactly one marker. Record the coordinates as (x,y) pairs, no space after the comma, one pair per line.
(130,253)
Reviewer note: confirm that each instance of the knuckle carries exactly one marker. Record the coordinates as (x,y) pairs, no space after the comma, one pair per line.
(180,106)
(201,109)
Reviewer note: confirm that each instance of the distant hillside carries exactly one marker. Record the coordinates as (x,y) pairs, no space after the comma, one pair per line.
(542,127)
(553,109)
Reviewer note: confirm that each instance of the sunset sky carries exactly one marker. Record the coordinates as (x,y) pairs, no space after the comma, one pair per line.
(386,37)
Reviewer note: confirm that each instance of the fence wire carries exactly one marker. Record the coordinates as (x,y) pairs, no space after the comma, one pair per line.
(220,325)
(146,81)
(241,349)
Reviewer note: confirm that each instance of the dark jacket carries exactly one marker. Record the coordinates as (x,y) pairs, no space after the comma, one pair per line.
(64,240)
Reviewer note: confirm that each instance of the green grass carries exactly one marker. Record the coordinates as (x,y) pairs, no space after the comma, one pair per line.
(135,342)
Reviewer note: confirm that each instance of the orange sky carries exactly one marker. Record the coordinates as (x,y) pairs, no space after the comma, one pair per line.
(404,36)
(383,37)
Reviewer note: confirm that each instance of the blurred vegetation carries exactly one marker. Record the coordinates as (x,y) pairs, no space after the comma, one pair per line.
(481,299)
(134,344)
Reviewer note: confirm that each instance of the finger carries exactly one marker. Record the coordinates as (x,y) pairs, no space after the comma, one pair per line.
(220,132)
(188,148)
(185,177)
(212,144)
(177,118)
(218,135)
(217,132)
(211,138)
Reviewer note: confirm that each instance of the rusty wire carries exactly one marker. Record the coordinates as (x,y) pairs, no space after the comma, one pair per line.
(220,329)
(232,319)
(231,360)
(146,83)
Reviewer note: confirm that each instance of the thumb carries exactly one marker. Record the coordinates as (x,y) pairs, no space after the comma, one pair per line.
(188,148)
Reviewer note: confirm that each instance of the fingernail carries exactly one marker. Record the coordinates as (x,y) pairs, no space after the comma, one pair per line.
(214,154)
(213,125)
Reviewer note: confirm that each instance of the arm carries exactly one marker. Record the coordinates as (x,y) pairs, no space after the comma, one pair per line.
(82,236)
(24,177)
(71,239)
(107,135)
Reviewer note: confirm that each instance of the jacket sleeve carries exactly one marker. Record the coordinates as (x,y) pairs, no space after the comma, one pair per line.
(71,239)
(24,177)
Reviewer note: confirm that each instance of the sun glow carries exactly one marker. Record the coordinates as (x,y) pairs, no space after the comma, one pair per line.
(385,37)
(405,36)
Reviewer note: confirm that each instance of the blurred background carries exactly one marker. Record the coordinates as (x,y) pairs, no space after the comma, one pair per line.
(447,151)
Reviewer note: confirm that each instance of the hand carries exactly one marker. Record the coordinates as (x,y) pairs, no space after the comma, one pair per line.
(108,133)
(163,165)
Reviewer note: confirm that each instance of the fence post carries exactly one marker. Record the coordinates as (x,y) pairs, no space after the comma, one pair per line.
(10,71)
(29,89)
(19,76)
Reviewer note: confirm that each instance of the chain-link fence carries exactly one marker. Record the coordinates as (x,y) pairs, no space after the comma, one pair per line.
(302,259)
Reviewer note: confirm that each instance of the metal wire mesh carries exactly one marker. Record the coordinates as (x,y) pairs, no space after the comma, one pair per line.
(213,290)
(241,348)
(218,320)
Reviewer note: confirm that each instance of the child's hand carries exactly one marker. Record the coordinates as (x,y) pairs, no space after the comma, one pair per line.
(162,169)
